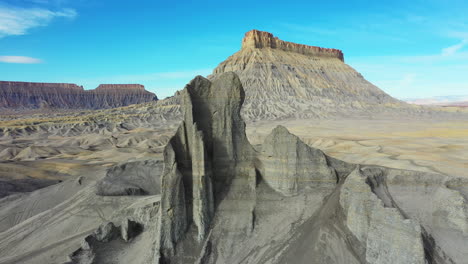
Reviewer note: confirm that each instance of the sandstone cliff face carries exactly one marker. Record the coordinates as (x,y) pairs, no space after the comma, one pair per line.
(260,39)
(224,202)
(284,79)
(369,209)
(209,152)
(287,163)
(216,199)
(25,95)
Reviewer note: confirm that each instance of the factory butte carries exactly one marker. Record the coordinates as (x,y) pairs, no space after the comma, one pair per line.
(281,80)
(219,172)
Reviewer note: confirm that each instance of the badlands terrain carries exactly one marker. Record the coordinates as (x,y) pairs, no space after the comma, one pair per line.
(327,168)
(454,100)
(29,97)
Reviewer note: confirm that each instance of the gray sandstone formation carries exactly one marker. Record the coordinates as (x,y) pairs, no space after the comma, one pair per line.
(132,178)
(370,212)
(9,187)
(289,164)
(214,198)
(224,202)
(93,247)
(208,154)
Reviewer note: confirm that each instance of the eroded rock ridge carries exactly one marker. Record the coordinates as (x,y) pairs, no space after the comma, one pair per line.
(222,201)
(30,95)
(215,198)
(261,39)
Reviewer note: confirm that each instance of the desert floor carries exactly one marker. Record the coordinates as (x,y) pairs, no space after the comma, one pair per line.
(431,146)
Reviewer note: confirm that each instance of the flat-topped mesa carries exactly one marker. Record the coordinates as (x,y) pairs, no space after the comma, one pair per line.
(261,39)
(35,95)
(120,87)
(38,85)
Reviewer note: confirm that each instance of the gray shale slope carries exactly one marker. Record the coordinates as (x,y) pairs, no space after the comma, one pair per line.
(215,198)
(288,80)
(224,202)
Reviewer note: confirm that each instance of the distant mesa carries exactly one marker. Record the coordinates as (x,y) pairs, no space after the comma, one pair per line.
(288,80)
(261,39)
(31,95)
(107,87)
(444,101)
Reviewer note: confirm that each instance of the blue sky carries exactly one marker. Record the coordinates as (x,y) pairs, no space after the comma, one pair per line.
(410,49)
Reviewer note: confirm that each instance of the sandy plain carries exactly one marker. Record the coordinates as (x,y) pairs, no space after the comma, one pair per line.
(423,145)
(81,159)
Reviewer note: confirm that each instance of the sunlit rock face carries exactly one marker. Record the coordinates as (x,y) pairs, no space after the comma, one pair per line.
(284,79)
(222,201)
(201,193)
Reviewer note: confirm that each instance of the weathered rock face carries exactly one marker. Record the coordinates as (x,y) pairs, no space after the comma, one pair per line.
(26,95)
(290,164)
(9,187)
(209,152)
(261,39)
(369,216)
(114,87)
(94,247)
(288,80)
(224,202)
(132,178)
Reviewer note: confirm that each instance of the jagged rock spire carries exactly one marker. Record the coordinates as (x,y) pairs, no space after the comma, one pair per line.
(220,198)
(203,157)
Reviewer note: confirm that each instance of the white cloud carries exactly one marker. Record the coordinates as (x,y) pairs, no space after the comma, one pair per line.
(453,54)
(17,21)
(449,51)
(458,34)
(19,59)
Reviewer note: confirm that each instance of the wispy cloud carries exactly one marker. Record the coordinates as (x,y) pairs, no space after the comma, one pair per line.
(17,20)
(449,51)
(19,59)
(55,2)
(452,54)
(458,34)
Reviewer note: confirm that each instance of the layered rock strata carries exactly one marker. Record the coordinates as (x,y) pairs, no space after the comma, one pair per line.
(93,249)
(288,80)
(132,178)
(224,202)
(367,215)
(288,163)
(217,199)
(261,39)
(209,152)
(28,95)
